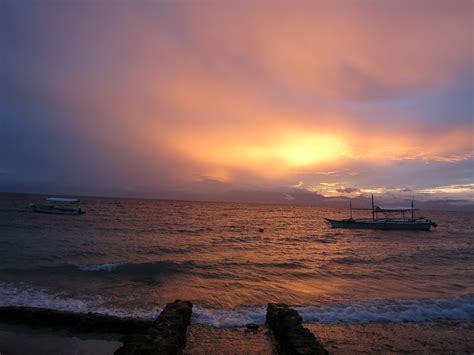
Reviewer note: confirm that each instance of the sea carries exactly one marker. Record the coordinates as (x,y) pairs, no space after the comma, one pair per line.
(129,257)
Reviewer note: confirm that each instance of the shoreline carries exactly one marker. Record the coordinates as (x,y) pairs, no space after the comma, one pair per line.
(45,331)
(430,337)
(22,339)
(383,337)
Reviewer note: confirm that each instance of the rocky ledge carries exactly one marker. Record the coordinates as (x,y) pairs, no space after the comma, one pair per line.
(166,336)
(78,322)
(291,336)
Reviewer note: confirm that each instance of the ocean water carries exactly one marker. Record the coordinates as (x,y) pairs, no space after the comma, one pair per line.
(129,257)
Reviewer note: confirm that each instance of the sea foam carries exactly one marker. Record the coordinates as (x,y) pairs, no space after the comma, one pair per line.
(11,295)
(460,308)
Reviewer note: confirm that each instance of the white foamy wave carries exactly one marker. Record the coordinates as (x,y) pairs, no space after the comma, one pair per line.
(391,311)
(11,295)
(229,318)
(99,267)
(348,312)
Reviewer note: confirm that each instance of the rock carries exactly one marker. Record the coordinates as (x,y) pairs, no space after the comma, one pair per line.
(166,336)
(79,322)
(252,326)
(291,336)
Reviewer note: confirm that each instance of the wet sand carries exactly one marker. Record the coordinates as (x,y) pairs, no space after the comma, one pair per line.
(16,340)
(209,340)
(441,337)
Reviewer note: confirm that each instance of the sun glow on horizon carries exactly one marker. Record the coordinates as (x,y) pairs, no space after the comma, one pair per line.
(281,151)
(271,157)
(239,96)
(311,149)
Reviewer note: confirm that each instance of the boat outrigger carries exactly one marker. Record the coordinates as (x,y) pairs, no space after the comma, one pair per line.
(386,223)
(59,205)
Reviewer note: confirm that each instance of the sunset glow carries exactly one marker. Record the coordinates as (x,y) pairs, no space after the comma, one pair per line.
(253,96)
(286,151)
(236,176)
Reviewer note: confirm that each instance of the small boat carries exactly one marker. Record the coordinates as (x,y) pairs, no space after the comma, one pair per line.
(385,223)
(59,205)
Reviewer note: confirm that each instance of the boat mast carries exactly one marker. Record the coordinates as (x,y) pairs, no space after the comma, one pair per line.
(412,211)
(350,206)
(373,209)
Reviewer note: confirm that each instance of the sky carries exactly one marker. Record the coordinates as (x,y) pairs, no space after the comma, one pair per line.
(341,98)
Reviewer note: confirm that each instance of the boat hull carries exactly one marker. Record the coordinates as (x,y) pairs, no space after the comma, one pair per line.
(424,225)
(56,210)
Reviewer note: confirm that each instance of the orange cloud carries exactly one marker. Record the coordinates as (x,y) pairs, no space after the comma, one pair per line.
(342,49)
(259,90)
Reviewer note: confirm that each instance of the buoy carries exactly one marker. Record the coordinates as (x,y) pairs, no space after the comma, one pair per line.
(260,230)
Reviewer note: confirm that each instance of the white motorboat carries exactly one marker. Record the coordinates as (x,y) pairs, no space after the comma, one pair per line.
(59,205)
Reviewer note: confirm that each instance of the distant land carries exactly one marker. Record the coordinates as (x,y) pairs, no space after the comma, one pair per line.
(297,197)
(305,197)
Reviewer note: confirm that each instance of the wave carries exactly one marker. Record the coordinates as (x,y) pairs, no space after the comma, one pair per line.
(100,267)
(226,318)
(276,265)
(149,267)
(170,266)
(156,270)
(138,268)
(118,267)
(12,295)
(349,312)
(348,260)
(461,308)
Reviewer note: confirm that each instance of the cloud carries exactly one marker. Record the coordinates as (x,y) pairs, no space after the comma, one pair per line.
(356,51)
(298,185)
(288,197)
(136,97)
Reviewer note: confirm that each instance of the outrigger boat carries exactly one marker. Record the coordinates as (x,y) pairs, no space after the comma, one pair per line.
(386,223)
(59,205)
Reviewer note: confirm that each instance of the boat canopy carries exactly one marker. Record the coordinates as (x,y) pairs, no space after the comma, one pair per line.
(393,209)
(63,200)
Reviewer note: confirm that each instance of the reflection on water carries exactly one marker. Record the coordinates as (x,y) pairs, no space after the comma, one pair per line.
(134,254)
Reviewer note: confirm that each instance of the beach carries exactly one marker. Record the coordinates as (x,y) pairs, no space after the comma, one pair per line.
(236,177)
(440,337)
(415,337)
(210,340)
(20,340)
